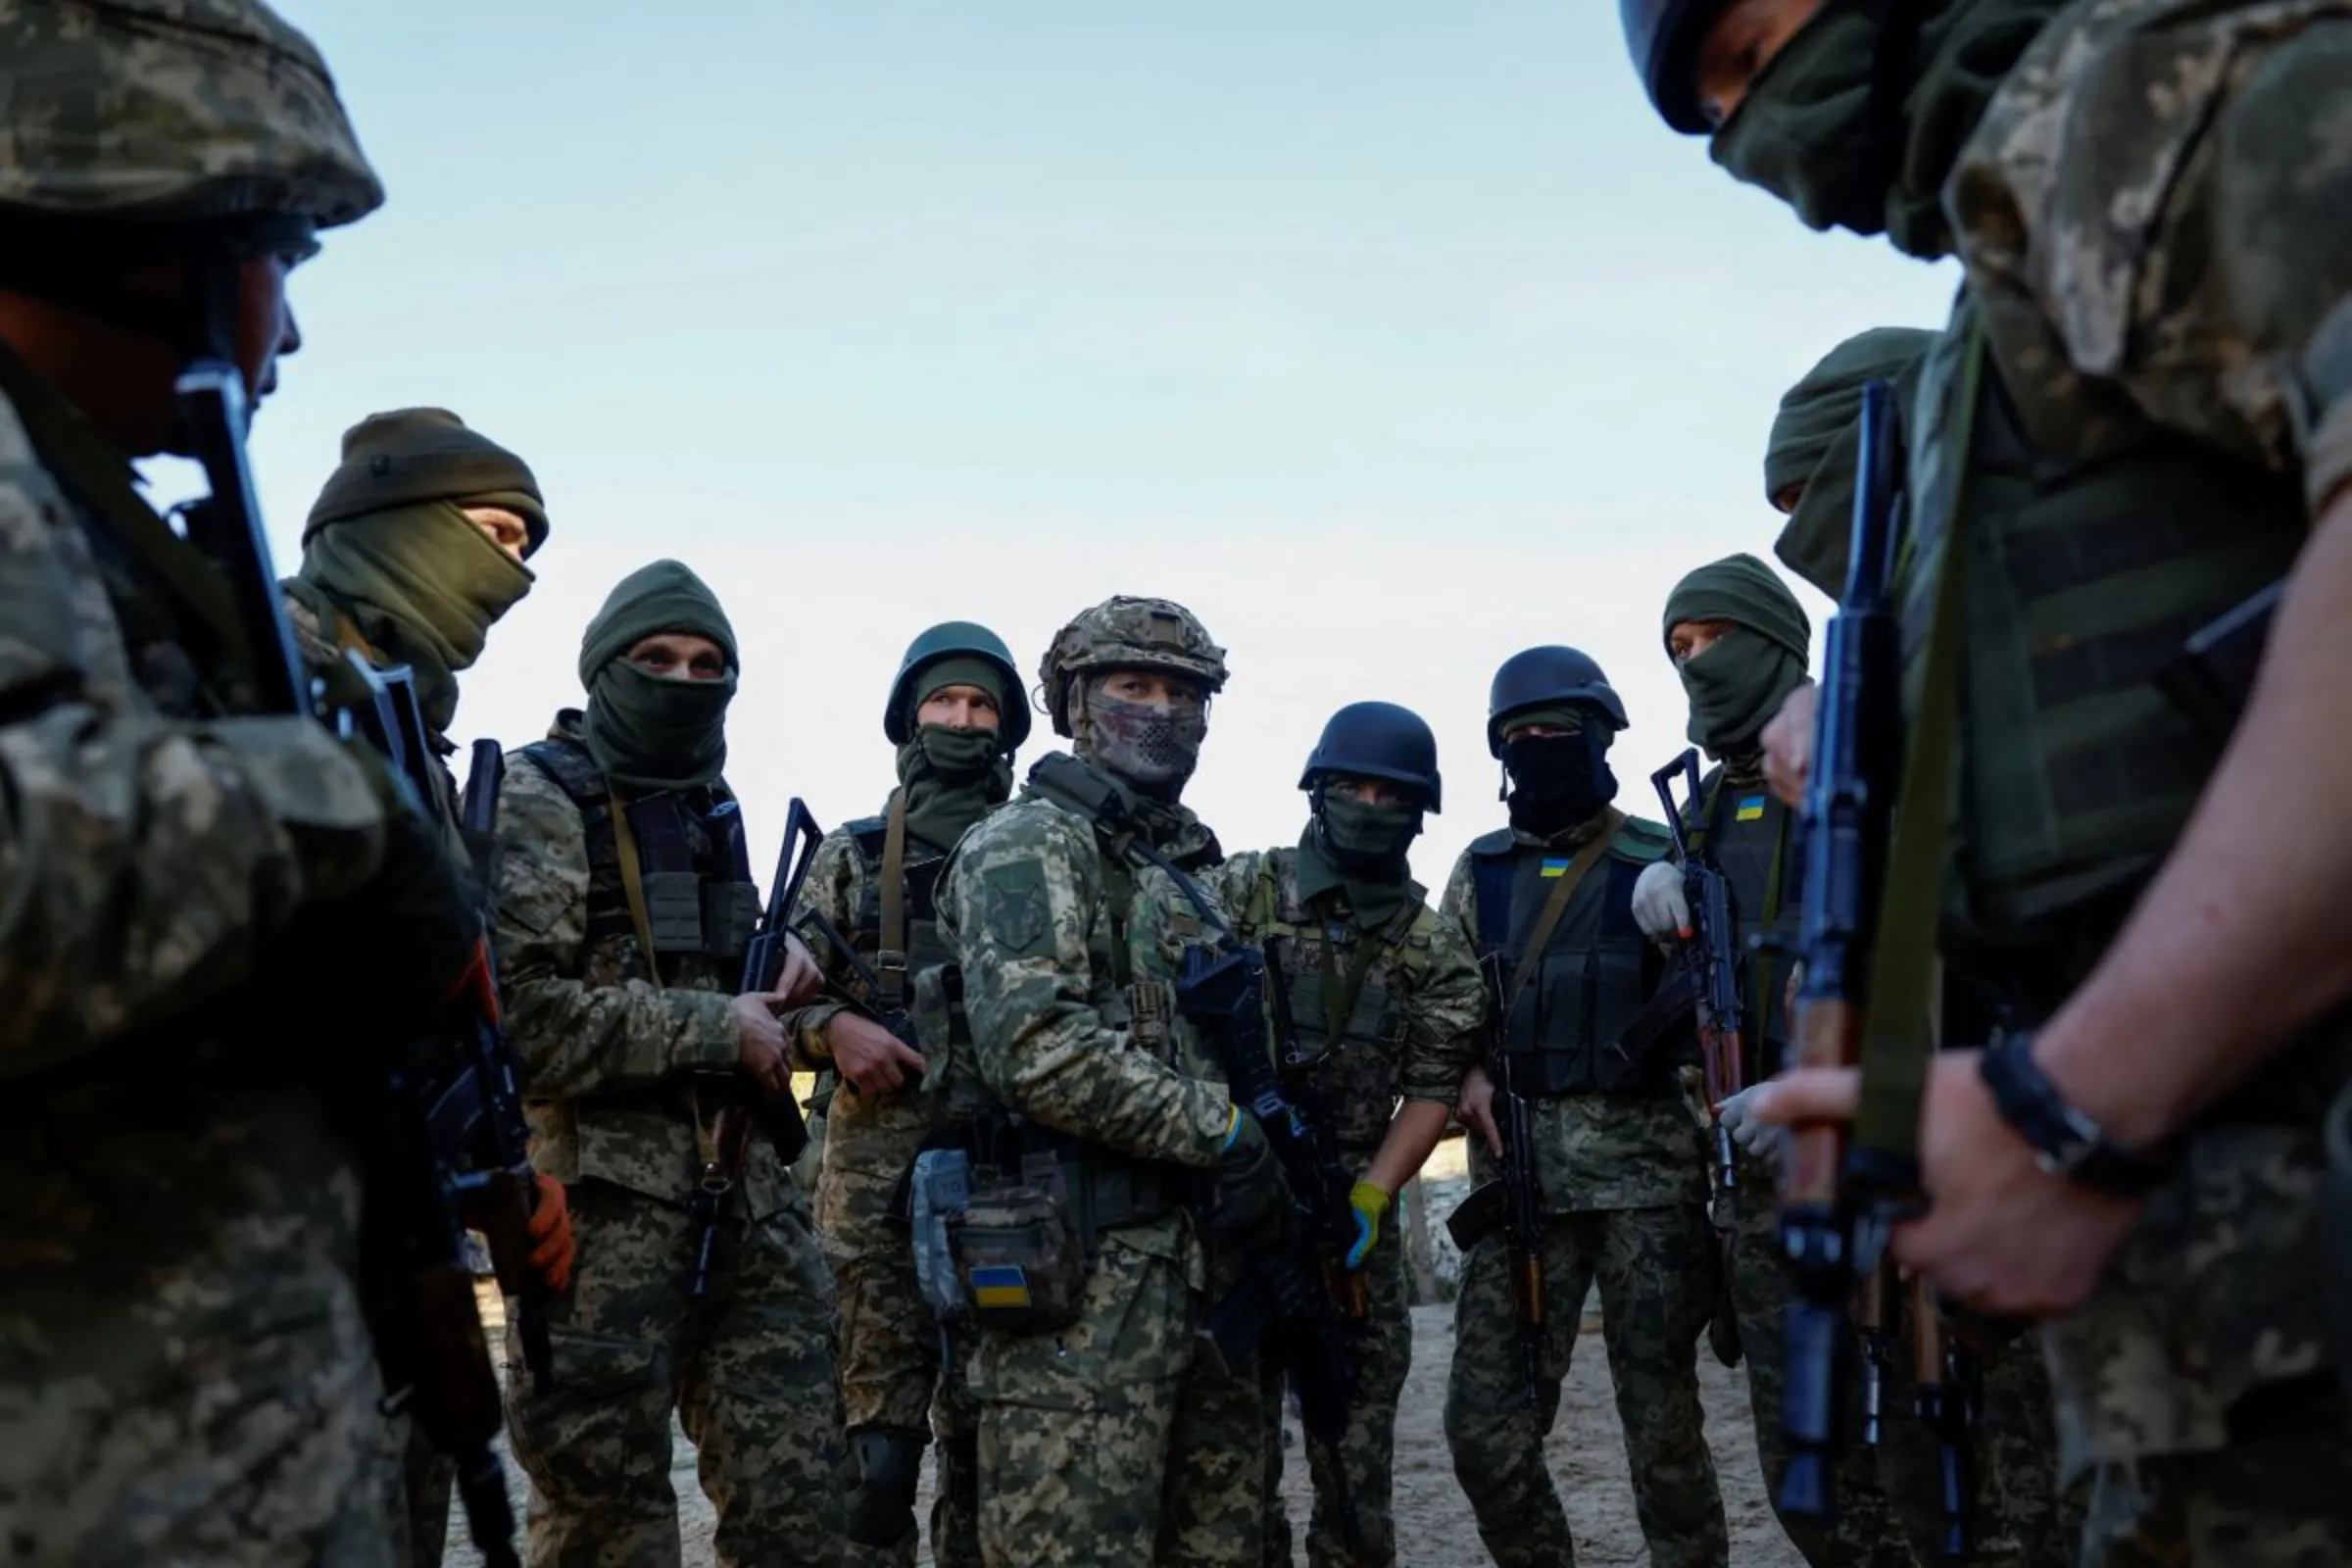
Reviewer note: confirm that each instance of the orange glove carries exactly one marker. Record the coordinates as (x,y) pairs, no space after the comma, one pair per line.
(551,1225)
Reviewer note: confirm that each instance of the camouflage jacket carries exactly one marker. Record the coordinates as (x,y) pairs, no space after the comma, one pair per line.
(1069,959)
(1596,1151)
(611,1052)
(1415,1027)
(150,846)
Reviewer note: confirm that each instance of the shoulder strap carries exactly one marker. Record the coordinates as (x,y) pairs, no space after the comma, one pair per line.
(890,959)
(1555,907)
(573,768)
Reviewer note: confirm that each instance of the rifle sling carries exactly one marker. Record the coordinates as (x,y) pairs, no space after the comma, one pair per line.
(1340,997)
(1896,1040)
(1555,908)
(890,959)
(632,884)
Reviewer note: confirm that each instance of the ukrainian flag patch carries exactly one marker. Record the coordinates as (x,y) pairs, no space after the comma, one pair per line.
(1751,809)
(999,1285)
(1555,866)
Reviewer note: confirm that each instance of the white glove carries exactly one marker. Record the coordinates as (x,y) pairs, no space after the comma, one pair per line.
(1659,907)
(1765,1142)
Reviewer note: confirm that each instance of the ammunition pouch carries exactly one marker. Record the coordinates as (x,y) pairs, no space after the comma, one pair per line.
(1018,1257)
(881,1510)
(1477,1216)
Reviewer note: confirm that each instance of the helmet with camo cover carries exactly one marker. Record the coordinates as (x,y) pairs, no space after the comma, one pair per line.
(173,113)
(1127,633)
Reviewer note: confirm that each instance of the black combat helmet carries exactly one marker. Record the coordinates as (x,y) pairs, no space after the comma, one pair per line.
(1663,36)
(958,639)
(1542,678)
(1379,740)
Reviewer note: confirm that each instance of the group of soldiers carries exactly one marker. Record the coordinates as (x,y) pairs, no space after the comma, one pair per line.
(1115,1122)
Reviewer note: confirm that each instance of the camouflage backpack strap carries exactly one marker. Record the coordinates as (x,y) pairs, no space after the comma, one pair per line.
(890,959)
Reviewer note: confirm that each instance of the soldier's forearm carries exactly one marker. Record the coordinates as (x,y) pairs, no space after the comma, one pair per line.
(2239,941)
(1413,1133)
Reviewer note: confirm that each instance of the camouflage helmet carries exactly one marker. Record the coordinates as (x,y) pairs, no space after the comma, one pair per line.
(172,112)
(1127,633)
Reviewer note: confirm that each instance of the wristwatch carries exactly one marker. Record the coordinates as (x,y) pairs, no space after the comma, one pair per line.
(2065,1141)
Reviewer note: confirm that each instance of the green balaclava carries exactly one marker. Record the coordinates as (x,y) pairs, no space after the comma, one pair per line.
(387,543)
(950,777)
(1377,883)
(1739,682)
(652,732)
(1816,443)
(1804,132)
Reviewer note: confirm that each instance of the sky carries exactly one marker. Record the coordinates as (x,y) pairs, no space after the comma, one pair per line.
(1390,338)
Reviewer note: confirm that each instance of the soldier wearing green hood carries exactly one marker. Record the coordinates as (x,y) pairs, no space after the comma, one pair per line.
(1816,438)
(220,922)
(1387,1016)
(956,714)
(2138,418)
(624,906)
(1546,902)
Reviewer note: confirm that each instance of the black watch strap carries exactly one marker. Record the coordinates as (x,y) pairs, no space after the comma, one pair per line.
(2065,1142)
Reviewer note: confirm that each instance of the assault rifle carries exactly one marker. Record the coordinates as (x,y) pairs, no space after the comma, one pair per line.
(1279,1305)
(438,1153)
(742,1106)
(1836,1213)
(1710,958)
(1321,1182)
(1513,1204)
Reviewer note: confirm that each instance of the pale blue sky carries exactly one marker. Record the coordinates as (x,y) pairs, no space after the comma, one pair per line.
(1392,337)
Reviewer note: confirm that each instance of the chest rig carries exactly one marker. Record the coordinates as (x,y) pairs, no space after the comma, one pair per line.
(1564,1009)
(1346,992)
(669,877)
(1742,831)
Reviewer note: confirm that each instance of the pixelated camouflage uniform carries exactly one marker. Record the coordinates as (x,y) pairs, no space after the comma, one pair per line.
(1411,1031)
(892,1375)
(2173,374)
(609,1048)
(1623,1176)
(1111,1440)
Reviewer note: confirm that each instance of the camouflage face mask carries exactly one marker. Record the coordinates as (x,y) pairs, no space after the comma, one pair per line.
(1152,747)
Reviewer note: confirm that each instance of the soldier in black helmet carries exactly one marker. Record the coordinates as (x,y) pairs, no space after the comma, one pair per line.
(956,715)
(1547,903)
(1384,1015)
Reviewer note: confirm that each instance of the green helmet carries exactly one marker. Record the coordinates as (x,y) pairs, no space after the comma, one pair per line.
(172,112)
(965,640)
(1127,633)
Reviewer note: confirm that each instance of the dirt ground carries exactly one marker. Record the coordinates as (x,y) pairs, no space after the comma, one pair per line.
(1432,1521)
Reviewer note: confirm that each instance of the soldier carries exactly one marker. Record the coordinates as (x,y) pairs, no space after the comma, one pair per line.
(956,714)
(1547,903)
(412,550)
(1384,1003)
(624,906)
(1809,474)
(1105,1435)
(2136,419)
(192,886)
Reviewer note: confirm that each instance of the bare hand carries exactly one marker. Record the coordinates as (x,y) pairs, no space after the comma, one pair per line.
(1476,1108)
(2000,1233)
(801,977)
(874,1060)
(760,1042)
(1788,746)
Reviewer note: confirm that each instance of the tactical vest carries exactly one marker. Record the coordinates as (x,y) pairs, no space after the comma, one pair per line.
(918,946)
(1331,967)
(2095,544)
(691,866)
(1746,837)
(1562,1031)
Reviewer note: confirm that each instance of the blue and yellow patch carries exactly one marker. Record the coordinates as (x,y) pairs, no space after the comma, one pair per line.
(999,1285)
(1751,809)
(1555,866)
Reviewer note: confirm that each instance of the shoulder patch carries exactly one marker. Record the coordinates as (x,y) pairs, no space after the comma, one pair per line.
(1015,909)
(1489,845)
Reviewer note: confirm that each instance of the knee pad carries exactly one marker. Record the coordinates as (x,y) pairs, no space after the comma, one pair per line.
(890,1460)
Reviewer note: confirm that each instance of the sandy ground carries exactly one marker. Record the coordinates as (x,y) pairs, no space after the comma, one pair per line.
(1432,1521)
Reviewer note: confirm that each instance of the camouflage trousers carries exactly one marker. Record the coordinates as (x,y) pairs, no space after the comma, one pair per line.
(2192,1390)
(749,1372)
(1354,1524)
(893,1377)
(184,1373)
(1112,1442)
(1656,1268)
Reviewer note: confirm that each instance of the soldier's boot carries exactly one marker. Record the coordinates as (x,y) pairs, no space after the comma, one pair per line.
(890,1461)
